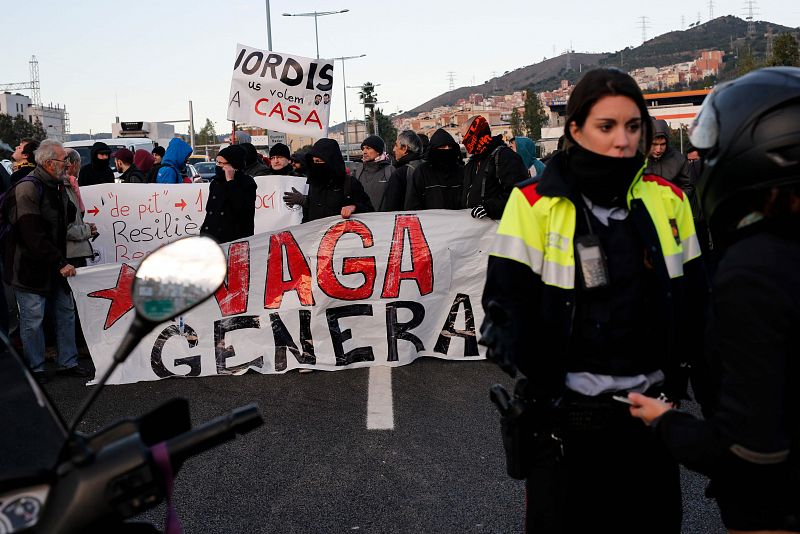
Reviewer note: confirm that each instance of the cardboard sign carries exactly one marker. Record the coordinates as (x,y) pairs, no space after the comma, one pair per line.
(281,92)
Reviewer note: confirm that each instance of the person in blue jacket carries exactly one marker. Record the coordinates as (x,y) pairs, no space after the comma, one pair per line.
(174,162)
(526,148)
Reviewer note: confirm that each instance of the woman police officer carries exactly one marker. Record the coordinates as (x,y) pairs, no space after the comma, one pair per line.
(749,443)
(594,289)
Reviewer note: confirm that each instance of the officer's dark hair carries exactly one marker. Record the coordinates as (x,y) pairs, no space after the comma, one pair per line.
(599,83)
(30,147)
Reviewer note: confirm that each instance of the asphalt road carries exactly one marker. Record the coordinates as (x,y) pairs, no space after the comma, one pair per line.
(314,466)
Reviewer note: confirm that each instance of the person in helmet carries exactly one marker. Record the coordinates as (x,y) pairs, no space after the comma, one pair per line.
(749,442)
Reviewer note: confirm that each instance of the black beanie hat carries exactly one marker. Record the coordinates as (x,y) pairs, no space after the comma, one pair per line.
(375,142)
(279,149)
(159,150)
(250,153)
(235,155)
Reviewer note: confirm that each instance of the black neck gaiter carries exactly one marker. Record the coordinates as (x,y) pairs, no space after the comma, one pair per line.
(602,179)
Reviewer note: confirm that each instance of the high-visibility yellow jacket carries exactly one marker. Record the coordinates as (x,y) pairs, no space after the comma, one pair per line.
(532,273)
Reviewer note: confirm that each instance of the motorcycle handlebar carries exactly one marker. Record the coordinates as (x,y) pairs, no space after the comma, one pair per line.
(213,433)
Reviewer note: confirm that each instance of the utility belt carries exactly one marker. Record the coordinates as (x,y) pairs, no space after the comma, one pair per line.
(533,429)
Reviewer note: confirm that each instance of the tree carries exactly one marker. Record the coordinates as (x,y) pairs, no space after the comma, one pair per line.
(745,62)
(368,98)
(14,129)
(207,135)
(785,51)
(515,121)
(534,116)
(386,130)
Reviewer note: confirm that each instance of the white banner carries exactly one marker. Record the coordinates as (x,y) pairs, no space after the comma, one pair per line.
(135,219)
(281,92)
(378,289)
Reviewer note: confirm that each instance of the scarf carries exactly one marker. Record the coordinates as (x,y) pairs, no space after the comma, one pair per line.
(604,180)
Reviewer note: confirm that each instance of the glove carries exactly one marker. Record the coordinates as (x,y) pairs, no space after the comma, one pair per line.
(496,336)
(294,197)
(479,212)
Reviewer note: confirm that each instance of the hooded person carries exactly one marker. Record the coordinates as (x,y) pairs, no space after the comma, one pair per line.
(526,148)
(299,163)
(492,171)
(230,210)
(331,191)
(143,160)
(665,161)
(174,162)
(437,182)
(98,170)
(252,162)
(280,160)
(374,170)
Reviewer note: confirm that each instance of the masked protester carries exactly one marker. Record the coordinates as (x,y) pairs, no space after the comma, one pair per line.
(331,191)
(253,166)
(98,170)
(749,442)
(230,210)
(594,288)
(437,182)
(491,172)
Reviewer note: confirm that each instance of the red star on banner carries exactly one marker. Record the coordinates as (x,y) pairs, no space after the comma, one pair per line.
(120,295)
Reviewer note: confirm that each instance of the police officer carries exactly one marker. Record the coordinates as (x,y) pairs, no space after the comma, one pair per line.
(749,443)
(586,295)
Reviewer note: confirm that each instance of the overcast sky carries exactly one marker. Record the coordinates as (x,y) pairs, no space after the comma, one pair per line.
(144,59)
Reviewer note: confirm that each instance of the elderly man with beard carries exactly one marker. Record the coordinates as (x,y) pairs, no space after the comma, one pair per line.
(98,170)
(491,172)
(36,263)
(437,182)
(331,191)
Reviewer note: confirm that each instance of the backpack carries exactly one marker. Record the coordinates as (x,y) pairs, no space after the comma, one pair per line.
(5,224)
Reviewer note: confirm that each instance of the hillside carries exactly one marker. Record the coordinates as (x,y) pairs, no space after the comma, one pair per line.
(723,33)
(541,76)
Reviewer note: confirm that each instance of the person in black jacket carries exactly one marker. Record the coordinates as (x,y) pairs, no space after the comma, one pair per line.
(437,182)
(667,162)
(98,170)
(24,161)
(280,160)
(331,191)
(158,154)
(408,156)
(749,442)
(123,159)
(231,206)
(491,172)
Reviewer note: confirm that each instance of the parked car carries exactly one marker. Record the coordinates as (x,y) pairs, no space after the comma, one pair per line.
(207,170)
(191,173)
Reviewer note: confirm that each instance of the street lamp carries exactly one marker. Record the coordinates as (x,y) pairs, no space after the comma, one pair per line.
(344,84)
(366,104)
(316,15)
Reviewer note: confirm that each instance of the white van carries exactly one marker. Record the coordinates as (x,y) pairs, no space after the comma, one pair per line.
(131,143)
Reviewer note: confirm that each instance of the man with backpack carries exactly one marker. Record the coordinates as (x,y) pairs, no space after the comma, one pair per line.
(491,172)
(34,214)
(374,170)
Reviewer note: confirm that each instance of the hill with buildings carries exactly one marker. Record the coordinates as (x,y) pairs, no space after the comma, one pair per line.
(728,34)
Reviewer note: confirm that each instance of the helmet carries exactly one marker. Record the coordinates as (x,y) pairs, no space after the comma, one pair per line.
(749,134)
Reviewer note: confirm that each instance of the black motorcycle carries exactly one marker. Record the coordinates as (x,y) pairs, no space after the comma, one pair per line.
(54,479)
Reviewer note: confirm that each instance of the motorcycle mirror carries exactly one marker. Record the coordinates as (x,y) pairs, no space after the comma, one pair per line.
(169,282)
(177,277)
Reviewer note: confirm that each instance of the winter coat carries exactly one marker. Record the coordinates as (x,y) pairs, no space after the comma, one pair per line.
(437,183)
(78,232)
(490,176)
(672,165)
(133,176)
(97,171)
(231,208)
(35,248)
(174,162)
(22,171)
(327,195)
(374,177)
(394,199)
(257,168)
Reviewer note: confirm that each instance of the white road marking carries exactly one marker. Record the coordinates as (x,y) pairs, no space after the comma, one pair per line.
(380,412)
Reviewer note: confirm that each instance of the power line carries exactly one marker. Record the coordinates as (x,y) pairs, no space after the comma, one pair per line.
(644,24)
(683,22)
(751,10)
(710,9)
(451,78)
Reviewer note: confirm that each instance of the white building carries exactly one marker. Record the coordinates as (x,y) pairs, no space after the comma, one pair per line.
(54,118)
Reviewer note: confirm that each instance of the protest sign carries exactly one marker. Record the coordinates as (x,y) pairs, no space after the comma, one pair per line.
(281,92)
(134,219)
(378,289)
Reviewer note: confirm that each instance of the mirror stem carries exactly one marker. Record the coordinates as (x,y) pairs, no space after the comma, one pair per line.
(139,327)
